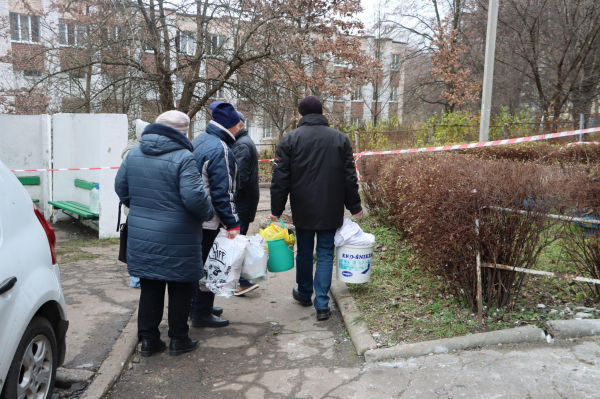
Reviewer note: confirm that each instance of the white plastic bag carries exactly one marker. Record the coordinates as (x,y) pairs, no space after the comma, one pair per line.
(351,234)
(224,264)
(255,259)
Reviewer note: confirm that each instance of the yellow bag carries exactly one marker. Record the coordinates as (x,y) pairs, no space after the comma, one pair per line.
(274,232)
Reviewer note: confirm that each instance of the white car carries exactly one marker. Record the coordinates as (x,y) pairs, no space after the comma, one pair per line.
(33,315)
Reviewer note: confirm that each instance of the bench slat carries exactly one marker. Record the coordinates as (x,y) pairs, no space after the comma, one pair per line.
(81,207)
(74,207)
(29,180)
(87,185)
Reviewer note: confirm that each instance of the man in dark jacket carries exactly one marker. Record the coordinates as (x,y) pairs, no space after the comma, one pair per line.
(248,193)
(315,166)
(160,183)
(212,150)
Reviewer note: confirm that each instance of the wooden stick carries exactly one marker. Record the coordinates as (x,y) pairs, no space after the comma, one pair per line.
(564,276)
(479,298)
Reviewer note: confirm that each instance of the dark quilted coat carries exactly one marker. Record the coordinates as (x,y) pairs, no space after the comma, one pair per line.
(160,183)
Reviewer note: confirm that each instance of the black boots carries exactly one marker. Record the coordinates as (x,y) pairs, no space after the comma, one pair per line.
(180,346)
(297,297)
(210,321)
(323,314)
(150,347)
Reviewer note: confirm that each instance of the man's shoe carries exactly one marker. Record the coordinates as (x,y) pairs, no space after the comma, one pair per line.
(239,291)
(150,347)
(181,346)
(210,321)
(217,311)
(297,297)
(323,314)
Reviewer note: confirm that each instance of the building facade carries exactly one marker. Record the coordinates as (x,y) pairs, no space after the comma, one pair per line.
(40,72)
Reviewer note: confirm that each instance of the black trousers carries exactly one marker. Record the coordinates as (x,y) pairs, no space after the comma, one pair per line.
(203,301)
(152,302)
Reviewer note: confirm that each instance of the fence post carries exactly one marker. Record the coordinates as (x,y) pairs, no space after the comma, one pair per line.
(356,140)
(581,125)
(479,289)
(505,131)
(431,133)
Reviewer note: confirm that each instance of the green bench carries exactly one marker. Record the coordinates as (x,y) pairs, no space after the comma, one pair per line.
(83,211)
(30,181)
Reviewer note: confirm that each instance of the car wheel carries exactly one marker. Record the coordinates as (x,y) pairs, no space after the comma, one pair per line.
(33,369)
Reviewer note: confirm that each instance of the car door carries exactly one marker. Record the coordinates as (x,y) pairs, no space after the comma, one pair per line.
(9,285)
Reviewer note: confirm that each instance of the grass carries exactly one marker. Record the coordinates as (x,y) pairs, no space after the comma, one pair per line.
(70,251)
(405,303)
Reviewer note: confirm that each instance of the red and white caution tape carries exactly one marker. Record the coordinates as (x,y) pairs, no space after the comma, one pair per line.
(484,144)
(64,169)
(409,151)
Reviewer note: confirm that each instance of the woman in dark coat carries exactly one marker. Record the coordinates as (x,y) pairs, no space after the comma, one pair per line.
(160,183)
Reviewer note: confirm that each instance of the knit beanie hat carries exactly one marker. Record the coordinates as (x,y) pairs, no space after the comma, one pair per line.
(242,119)
(224,114)
(175,119)
(310,105)
(140,125)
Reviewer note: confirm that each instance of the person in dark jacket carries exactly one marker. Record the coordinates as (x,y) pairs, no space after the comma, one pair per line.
(248,193)
(315,166)
(213,154)
(160,183)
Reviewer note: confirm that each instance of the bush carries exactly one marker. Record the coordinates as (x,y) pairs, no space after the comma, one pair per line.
(436,199)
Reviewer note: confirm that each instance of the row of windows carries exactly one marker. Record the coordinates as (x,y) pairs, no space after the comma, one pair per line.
(357,95)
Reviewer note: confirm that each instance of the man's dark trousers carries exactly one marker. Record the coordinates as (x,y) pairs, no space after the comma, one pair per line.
(152,302)
(244,226)
(304,265)
(203,301)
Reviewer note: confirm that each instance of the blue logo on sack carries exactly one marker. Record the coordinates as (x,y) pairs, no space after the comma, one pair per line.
(346,274)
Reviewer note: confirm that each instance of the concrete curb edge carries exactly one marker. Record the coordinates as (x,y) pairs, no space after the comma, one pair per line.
(510,336)
(357,329)
(112,366)
(264,185)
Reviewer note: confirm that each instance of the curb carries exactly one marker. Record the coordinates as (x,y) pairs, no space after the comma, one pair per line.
(112,366)
(264,185)
(565,329)
(510,336)
(358,330)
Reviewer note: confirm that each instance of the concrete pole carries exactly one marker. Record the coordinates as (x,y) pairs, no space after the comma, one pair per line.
(488,72)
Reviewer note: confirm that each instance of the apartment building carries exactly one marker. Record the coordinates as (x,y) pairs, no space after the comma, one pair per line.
(45,43)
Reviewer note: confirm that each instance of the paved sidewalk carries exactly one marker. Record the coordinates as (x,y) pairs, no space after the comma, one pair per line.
(99,299)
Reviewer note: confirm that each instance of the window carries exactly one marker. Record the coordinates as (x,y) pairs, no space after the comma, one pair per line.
(395,62)
(216,43)
(70,34)
(24,28)
(186,43)
(268,130)
(220,93)
(249,127)
(394,94)
(112,36)
(357,93)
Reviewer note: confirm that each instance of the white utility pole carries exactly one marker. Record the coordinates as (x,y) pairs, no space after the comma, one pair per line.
(488,72)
